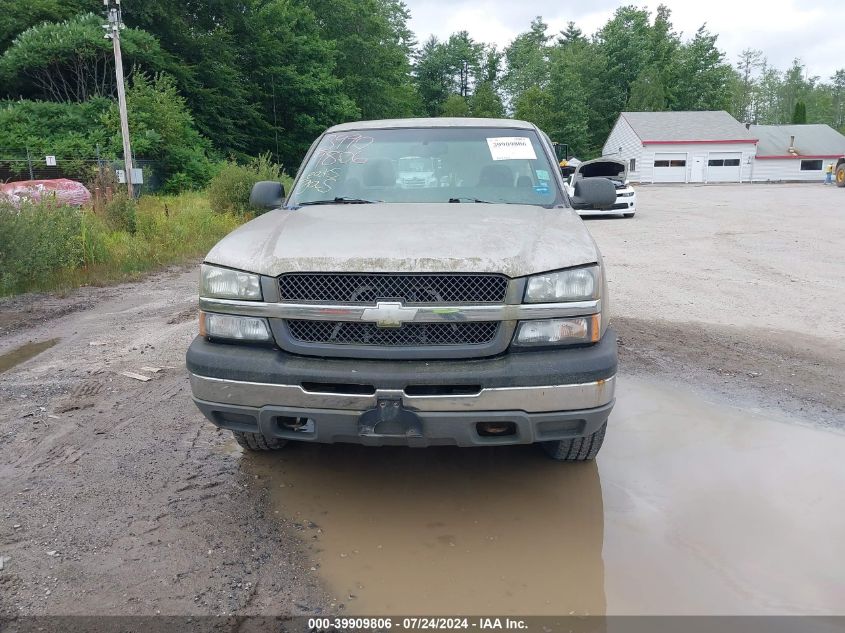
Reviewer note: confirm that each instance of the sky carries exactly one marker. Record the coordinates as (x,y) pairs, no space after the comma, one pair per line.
(782,29)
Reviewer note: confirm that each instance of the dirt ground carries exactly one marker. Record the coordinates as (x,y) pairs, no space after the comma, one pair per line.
(116,497)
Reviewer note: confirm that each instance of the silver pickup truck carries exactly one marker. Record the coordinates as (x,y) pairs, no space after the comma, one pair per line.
(426,282)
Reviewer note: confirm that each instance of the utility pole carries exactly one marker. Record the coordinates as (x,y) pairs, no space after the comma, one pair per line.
(113,12)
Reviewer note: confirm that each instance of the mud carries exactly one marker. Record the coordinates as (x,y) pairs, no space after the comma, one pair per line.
(691,508)
(24,353)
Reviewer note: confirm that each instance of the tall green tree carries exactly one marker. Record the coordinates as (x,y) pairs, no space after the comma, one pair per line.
(571,35)
(455,106)
(569,114)
(704,78)
(213,39)
(746,88)
(287,54)
(15,18)
(647,92)
(837,100)
(486,102)
(70,61)
(373,48)
(625,43)
(433,76)
(527,60)
(799,114)
(465,58)
(162,130)
(535,105)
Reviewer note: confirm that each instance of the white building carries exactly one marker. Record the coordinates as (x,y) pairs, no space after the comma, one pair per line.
(682,146)
(795,152)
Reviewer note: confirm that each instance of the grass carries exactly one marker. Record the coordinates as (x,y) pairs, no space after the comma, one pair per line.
(44,247)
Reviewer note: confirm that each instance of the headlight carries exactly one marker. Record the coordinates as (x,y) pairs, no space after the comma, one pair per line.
(239,328)
(577,331)
(577,284)
(224,283)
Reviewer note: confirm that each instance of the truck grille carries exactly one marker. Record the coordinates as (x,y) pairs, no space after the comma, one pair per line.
(410,334)
(410,289)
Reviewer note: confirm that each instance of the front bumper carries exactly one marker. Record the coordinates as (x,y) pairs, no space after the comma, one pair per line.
(623,205)
(544,395)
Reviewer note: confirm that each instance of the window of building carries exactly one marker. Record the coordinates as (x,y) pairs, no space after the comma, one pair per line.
(661,163)
(677,163)
(715,162)
(632,164)
(731,162)
(811,165)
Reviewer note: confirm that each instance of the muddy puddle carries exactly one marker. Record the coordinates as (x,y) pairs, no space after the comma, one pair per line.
(23,353)
(691,508)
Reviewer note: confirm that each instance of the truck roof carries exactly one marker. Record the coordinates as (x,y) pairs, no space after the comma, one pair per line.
(439,122)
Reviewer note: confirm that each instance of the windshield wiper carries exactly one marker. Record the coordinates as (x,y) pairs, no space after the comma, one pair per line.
(466,199)
(339,200)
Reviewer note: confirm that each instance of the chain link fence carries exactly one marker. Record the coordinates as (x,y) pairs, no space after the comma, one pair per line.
(17,164)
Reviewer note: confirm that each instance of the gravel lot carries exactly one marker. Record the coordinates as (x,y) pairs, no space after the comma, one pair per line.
(737,288)
(117,498)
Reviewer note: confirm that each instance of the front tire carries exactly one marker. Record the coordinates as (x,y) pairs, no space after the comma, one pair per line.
(257,442)
(579,449)
(628,215)
(840,176)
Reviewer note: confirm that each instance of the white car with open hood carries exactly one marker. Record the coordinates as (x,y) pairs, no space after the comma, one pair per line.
(617,172)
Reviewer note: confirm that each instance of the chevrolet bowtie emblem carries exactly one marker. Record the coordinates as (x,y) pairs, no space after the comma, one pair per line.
(388,314)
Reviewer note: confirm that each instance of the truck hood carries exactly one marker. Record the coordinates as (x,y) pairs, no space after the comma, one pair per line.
(514,240)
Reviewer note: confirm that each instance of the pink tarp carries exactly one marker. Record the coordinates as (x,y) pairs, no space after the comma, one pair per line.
(65,191)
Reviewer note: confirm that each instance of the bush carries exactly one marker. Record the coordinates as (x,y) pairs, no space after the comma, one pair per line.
(229,190)
(44,247)
(36,242)
(121,213)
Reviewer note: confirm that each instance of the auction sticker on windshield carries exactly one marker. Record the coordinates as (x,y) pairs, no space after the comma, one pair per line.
(511,148)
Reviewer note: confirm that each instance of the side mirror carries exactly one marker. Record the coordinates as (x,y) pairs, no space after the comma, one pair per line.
(593,193)
(267,194)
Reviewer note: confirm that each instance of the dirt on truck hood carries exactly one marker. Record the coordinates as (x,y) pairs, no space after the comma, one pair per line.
(515,240)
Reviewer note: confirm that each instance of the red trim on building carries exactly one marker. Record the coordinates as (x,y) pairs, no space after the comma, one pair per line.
(805,157)
(730,140)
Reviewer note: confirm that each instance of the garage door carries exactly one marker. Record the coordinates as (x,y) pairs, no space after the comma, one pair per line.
(670,167)
(724,166)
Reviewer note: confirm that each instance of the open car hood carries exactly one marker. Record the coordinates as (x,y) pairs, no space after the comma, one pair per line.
(603,168)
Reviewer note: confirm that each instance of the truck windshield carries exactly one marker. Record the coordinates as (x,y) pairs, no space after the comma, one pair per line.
(498,165)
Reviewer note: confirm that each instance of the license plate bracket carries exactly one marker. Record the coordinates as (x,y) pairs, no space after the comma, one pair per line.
(390,418)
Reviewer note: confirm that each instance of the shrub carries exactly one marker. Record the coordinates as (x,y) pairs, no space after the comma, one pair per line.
(229,190)
(121,213)
(43,247)
(36,242)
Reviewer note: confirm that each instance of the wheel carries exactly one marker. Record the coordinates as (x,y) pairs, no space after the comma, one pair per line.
(840,176)
(257,442)
(628,215)
(579,449)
